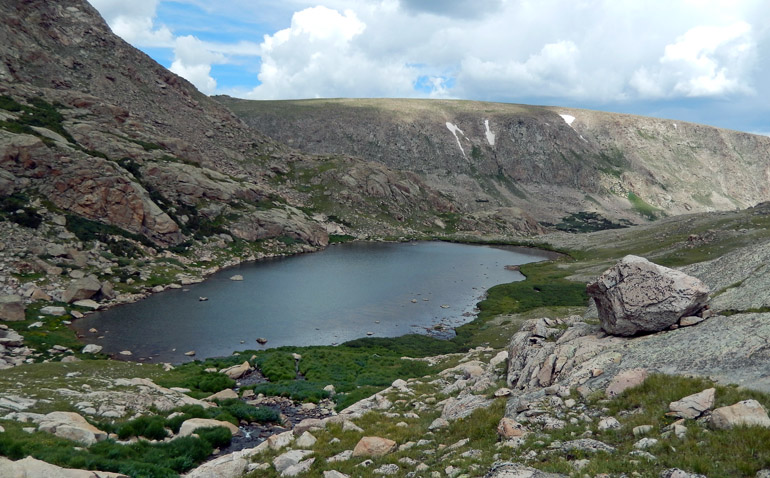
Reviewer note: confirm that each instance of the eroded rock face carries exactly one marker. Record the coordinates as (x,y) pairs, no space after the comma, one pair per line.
(280,222)
(637,296)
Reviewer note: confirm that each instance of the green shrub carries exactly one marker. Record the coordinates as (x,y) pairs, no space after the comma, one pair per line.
(138,460)
(340,238)
(243,411)
(217,437)
(299,390)
(277,365)
(9,104)
(87,230)
(151,427)
(210,382)
(15,208)
(131,166)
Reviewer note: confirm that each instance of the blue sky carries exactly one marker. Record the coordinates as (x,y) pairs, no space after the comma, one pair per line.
(705,61)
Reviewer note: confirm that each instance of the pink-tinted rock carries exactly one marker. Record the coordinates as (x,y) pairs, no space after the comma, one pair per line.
(625,380)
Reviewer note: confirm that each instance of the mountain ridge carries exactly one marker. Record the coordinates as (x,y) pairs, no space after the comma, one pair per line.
(535,152)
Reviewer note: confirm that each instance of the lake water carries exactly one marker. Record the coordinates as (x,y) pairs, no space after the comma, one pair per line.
(328,297)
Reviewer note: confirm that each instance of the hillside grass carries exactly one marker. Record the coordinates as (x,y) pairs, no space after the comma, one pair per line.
(733,453)
(643,208)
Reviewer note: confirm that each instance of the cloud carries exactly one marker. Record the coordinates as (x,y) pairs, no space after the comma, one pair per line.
(552,71)
(705,61)
(318,56)
(134,21)
(461,9)
(193,60)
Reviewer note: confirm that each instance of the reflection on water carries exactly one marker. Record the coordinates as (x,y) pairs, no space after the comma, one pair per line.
(341,293)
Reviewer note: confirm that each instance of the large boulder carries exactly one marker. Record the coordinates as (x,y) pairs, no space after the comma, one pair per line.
(81,289)
(374,446)
(236,371)
(31,468)
(11,308)
(636,296)
(71,426)
(746,413)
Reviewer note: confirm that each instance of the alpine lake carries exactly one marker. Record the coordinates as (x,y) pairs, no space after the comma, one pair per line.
(342,293)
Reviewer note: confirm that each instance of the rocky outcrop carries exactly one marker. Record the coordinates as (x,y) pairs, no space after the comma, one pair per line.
(636,296)
(32,468)
(81,289)
(279,222)
(71,426)
(236,371)
(545,355)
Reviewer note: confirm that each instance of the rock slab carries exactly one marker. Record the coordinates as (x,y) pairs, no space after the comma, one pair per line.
(693,405)
(189,426)
(11,308)
(637,296)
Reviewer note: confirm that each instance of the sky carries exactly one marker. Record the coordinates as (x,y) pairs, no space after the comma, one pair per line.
(705,61)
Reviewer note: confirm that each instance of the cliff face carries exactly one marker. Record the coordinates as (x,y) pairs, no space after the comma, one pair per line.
(550,160)
(101,131)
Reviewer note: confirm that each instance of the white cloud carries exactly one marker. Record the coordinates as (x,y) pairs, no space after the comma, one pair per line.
(705,61)
(134,21)
(193,60)
(318,56)
(551,71)
(595,53)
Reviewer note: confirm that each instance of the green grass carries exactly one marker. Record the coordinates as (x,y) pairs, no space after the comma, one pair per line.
(38,113)
(356,370)
(739,452)
(52,332)
(340,238)
(545,286)
(138,460)
(643,208)
(588,222)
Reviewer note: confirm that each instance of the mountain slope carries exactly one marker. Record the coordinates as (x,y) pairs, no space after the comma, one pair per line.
(552,161)
(103,132)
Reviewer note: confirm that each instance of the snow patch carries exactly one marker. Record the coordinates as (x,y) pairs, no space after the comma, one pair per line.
(489,133)
(568,119)
(454,129)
